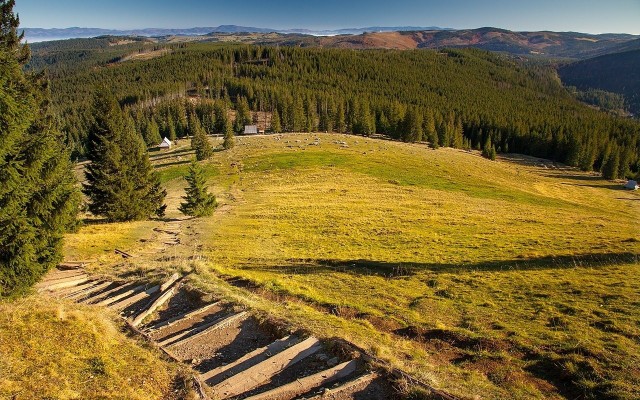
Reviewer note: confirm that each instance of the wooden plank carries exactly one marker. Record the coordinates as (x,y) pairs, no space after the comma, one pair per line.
(122,253)
(113,299)
(257,375)
(88,292)
(356,384)
(217,375)
(58,274)
(303,385)
(126,302)
(101,296)
(174,338)
(74,289)
(172,279)
(182,317)
(163,298)
(224,323)
(66,293)
(64,284)
(48,282)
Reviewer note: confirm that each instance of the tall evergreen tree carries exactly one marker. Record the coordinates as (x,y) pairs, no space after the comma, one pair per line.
(198,201)
(38,197)
(611,165)
(276,127)
(229,139)
(121,182)
(243,115)
(151,132)
(489,149)
(199,141)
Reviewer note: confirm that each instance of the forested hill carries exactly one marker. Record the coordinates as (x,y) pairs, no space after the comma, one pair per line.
(617,73)
(457,98)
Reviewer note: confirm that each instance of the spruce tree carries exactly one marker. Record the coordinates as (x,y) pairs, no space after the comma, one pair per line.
(38,197)
(276,127)
(121,182)
(198,201)
(151,133)
(611,165)
(199,141)
(489,150)
(243,114)
(229,138)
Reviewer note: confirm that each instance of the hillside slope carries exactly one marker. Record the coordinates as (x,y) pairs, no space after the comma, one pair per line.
(484,279)
(617,73)
(54,349)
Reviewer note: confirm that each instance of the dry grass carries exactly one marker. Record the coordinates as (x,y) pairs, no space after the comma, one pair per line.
(57,350)
(493,279)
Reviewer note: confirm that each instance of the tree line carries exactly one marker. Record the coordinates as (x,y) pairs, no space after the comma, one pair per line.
(459,98)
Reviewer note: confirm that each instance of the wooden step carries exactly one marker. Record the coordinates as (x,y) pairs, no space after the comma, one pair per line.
(62,293)
(181,317)
(118,297)
(222,324)
(65,265)
(103,295)
(304,385)
(260,373)
(218,374)
(126,302)
(197,328)
(63,283)
(58,274)
(354,385)
(153,305)
(172,279)
(84,293)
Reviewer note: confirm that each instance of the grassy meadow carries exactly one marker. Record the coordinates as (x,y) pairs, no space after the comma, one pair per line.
(51,349)
(516,278)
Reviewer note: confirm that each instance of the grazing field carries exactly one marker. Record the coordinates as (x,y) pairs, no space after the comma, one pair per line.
(516,278)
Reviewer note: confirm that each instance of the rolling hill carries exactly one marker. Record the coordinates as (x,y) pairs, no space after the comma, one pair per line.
(483,279)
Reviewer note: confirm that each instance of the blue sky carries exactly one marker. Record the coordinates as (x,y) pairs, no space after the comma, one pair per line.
(590,16)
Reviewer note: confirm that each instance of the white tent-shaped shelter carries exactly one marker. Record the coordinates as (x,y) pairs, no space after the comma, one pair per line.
(166,144)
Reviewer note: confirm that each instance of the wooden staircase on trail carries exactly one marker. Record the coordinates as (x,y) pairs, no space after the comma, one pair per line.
(234,354)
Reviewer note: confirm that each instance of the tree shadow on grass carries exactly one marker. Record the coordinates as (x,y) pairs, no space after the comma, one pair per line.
(404,269)
(171,164)
(610,186)
(577,177)
(160,154)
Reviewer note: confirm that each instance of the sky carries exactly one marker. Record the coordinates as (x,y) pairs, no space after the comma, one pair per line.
(587,16)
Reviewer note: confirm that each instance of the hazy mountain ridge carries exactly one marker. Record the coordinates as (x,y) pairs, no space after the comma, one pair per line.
(571,45)
(75,32)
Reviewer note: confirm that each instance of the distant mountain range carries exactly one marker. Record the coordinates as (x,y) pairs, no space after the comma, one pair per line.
(562,45)
(42,34)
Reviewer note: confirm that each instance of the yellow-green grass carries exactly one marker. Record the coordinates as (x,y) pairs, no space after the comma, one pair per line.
(497,279)
(53,349)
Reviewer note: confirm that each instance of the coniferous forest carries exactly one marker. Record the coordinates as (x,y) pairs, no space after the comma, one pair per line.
(38,196)
(459,98)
